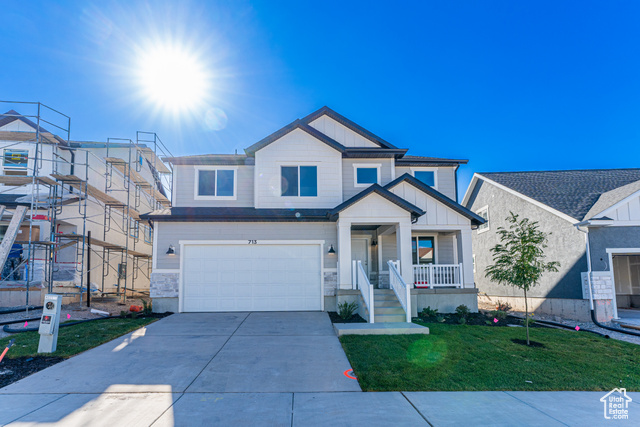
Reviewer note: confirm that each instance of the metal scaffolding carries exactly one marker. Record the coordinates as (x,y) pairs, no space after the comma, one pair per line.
(111,184)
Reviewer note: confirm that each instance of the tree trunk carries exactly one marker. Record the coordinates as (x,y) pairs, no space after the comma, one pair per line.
(526,315)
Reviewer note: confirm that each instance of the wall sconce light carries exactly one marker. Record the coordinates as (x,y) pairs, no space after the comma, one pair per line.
(331,251)
(374,243)
(171,250)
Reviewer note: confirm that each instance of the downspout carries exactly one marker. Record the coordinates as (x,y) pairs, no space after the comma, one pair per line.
(593,313)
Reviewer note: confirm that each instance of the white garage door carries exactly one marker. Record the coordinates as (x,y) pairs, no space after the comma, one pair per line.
(251,277)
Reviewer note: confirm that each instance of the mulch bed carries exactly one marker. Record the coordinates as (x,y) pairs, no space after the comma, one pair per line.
(12,370)
(335,318)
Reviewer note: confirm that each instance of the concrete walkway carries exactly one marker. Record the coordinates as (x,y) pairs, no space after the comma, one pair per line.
(260,369)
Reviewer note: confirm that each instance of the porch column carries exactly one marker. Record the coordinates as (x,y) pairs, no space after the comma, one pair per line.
(467,257)
(403,243)
(344,254)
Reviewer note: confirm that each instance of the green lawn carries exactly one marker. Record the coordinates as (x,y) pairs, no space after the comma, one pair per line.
(75,339)
(462,357)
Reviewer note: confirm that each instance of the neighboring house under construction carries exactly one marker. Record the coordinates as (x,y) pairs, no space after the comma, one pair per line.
(74,208)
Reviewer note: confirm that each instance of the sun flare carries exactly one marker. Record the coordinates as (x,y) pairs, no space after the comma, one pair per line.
(173,78)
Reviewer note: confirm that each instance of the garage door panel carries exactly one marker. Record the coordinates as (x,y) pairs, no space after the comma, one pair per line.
(251,277)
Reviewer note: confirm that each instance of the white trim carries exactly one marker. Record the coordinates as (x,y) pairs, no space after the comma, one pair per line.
(154,247)
(357,166)
(623,251)
(181,282)
(520,195)
(487,219)
(174,179)
(467,194)
(196,181)
(423,227)
(165,270)
(246,242)
(330,270)
(616,205)
(415,169)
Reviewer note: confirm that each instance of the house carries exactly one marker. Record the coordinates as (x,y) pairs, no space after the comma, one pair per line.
(320,212)
(70,189)
(594,218)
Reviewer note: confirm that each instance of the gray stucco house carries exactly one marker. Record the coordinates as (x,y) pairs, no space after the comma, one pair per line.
(594,218)
(319,212)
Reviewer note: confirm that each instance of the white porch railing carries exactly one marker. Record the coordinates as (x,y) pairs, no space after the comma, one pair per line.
(366,289)
(434,275)
(400,287)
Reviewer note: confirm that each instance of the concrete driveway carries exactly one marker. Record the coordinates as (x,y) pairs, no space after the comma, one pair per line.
(272,369)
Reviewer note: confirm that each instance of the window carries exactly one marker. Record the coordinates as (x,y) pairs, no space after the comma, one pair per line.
(215,184)
(365,175)
(148,234)
(484,213)
(423,250)
(426,177)
(134,228)
(16,159)
(299,181)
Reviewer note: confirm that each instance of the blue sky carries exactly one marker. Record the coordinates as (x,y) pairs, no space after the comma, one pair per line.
(508,85)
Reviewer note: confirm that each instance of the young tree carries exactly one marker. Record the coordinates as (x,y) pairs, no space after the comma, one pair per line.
(519,257)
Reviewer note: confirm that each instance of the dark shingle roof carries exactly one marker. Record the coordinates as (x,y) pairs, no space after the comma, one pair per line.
(298,124)
(426,161)
(232,214)
(376,188)
(572,192)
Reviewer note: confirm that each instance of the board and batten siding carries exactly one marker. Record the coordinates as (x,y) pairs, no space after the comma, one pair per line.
(171,233)
(348,171)
(184,190)
(627,211)
(446,178)
(341,133)
(298,148)
(436,212)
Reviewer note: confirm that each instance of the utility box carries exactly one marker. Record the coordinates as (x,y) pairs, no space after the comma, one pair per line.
(49,323)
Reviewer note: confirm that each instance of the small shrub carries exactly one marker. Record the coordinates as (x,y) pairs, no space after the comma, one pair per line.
(346,310)
(498,314)
(440,318)
(429,313)
(146,310)
(462,320)
(123,314)
(503,306)
(529,321)
(462,311)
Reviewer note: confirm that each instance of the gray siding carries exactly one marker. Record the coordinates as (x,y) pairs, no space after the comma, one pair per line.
(389,250)
(566,245)
(185,184)
(610,237)
(446,179)
(170,233)
(444,248)
(349,189)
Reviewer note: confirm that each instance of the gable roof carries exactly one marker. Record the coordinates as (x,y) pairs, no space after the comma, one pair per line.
(475,219)
(376,188)
(12,115)
(326,111)
(297,124)
(571,192)
(611,198)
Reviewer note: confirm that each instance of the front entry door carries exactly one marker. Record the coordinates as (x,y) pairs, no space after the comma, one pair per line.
(360,252)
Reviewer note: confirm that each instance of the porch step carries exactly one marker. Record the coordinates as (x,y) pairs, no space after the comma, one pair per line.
(379,329)
(386,318)
(386,300)
(389,310)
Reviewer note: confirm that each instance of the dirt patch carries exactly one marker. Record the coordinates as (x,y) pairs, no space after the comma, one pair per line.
(531,343)
(335,318)
(12,370)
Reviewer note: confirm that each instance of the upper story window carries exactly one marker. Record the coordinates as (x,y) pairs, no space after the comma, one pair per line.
(15,162)
(484,213)
(299,181)
(214,183)
(365,175)
(426,177)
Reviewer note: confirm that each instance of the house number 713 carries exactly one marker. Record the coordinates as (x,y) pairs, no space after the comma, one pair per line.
(253,242)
